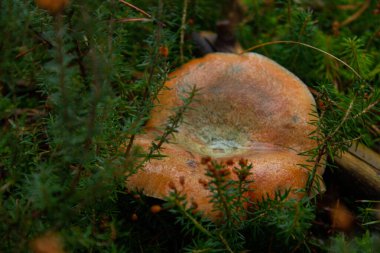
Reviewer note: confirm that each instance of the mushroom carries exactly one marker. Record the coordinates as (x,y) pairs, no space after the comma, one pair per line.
(249,107)
(52,6)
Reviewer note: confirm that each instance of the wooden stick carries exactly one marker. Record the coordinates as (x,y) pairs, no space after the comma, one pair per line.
(364,164)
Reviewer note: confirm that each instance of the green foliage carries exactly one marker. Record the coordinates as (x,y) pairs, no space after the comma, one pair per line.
(270,224)
(76,87)
(356,56)
(229,196)
(286,221)
(366,243)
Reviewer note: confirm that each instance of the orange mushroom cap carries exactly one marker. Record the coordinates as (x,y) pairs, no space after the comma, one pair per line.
(52,6)
(248,107)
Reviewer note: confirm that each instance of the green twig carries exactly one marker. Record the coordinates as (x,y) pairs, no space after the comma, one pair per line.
(224,241)
(183,23)
(192,219)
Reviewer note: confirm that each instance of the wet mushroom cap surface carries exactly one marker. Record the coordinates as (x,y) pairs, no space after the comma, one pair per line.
(248,106)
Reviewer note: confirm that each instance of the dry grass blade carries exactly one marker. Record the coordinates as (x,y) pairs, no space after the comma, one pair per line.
(136,8)
(128,20)
(305,45)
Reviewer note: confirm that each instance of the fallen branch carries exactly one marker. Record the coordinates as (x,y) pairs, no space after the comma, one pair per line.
(362,163)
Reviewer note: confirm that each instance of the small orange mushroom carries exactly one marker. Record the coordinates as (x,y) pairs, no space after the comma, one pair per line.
(52,6)
(50,242)
(249,108)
